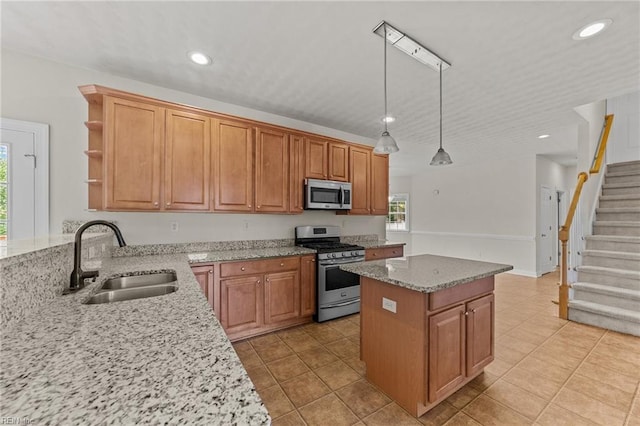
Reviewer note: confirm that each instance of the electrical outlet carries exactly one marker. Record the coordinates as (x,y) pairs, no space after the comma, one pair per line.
(389,305)
(174,226)
(92,252)
(246,224)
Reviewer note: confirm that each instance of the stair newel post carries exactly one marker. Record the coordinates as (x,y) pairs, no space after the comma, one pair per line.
(563,296)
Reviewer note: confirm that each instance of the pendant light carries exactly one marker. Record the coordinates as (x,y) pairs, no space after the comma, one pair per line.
(386,144)
(441,158)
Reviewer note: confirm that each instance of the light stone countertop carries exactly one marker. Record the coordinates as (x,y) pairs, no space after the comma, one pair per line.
(426,273)
(379,243)
(159,360)
(249,254)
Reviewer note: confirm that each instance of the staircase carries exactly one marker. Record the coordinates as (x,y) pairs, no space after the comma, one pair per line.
(607,293)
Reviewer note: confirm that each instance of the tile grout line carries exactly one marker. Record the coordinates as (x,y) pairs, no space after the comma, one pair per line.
(573,373)
(635,401)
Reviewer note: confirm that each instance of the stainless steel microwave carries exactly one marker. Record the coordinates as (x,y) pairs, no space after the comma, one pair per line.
(327,195)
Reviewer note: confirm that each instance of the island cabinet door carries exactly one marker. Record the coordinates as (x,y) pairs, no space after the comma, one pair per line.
(480,333)
(204,276)
(241,304)
(282,296)
(446,351)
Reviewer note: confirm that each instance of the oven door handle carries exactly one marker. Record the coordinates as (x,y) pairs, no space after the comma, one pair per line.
(338,305)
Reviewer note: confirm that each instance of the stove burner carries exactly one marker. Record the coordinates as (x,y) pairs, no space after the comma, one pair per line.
(329,247)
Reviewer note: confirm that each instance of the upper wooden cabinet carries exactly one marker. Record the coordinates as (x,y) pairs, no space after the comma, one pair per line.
(187,166)
(360,178)
(146,154)
(272,171)
(326,159)
(233,165)
(296,173)
(379,184)
(133,139)
(338,161)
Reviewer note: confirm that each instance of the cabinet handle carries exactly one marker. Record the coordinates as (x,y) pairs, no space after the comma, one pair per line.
(473,311)
(281,263)
(168,204)
(242,269)
(210,272)
(268,280)
(313,260)
(156,203)
(249,205)
(259,206)
(258,282)
(466,314)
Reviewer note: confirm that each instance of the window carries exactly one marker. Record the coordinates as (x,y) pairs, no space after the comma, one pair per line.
(398,216)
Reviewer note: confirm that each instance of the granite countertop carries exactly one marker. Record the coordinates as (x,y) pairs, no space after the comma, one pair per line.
(426,273)
(159,360)
(379,243)
(229,255)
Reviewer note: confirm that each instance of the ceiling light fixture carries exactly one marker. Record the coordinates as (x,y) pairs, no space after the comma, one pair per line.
(199,58)
(441,158)
(409,46)
(543,136)
(386,144)
(592,29)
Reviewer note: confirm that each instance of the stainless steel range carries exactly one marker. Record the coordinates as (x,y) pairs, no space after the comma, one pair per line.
(338,292)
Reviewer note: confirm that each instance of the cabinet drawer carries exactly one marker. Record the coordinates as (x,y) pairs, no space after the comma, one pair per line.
(259,266)
(383,252)
(460,293)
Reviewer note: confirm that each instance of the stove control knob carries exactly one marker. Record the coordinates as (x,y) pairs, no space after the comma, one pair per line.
(344,254)
(354,253)
(332,255)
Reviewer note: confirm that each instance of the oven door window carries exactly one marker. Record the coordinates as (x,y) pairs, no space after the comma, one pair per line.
(336,279)
(325,195)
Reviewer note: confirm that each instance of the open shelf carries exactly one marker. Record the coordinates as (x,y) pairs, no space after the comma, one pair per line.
(95,153)
(93,125)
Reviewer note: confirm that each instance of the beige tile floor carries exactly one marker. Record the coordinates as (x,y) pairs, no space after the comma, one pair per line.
(547,371)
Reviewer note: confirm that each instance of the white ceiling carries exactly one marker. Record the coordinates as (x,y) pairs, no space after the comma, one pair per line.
(516,71)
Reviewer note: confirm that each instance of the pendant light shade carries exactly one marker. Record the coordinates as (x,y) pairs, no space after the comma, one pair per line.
(386,144)
(441,158)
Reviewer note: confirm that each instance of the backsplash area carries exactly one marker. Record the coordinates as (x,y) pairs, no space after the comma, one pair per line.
(30,279)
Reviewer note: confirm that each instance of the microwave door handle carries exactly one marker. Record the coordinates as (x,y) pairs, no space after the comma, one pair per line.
(341,196)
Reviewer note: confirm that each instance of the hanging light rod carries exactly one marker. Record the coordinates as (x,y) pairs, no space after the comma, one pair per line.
(411,47)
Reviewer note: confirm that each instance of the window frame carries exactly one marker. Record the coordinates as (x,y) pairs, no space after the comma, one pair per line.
(404,197)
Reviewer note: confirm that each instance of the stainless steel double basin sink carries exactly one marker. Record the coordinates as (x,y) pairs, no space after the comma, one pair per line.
(135,287)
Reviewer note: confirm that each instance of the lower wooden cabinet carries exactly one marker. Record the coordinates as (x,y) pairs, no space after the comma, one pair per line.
(260,296)
(383,252)
(460,345)
(204,276)
(308,285)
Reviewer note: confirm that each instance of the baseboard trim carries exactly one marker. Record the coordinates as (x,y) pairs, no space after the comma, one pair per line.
(524,273)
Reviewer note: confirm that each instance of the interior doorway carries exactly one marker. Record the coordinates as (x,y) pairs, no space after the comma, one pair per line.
(24,179)
(547,232)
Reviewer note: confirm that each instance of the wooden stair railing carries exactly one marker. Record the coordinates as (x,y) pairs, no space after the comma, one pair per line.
(563,234)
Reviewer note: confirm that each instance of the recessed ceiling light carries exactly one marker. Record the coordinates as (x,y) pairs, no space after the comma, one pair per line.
(592,29)
(199,58)
(543,136)
(388,119)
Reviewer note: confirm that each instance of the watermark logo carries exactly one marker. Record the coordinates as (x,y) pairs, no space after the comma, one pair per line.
(16,421)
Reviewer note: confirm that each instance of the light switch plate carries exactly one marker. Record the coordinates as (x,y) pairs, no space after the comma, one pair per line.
(389,305)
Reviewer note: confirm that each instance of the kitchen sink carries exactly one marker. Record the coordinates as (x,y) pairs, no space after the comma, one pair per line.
(133,281)
(122,294)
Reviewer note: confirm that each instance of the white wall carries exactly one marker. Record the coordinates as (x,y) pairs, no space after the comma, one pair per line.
(38,90)
(624,139)
(484,211)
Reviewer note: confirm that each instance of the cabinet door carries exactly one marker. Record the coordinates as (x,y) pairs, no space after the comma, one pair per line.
(480,333)
(187,168)
(204,276)
(282,296)
(272,171)
(308,285)
(296,173)
(338,161)
(241,303)
(446,351)
(360,173)
(379,184)
(316,160)
(134,139)
(233,165)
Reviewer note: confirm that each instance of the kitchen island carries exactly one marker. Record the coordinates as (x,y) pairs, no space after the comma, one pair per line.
(426,325)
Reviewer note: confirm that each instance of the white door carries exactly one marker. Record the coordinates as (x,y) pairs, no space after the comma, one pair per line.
(546,236)
(624,139)
(24,210)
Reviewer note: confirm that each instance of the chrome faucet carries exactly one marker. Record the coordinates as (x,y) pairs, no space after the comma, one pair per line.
(78,275)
